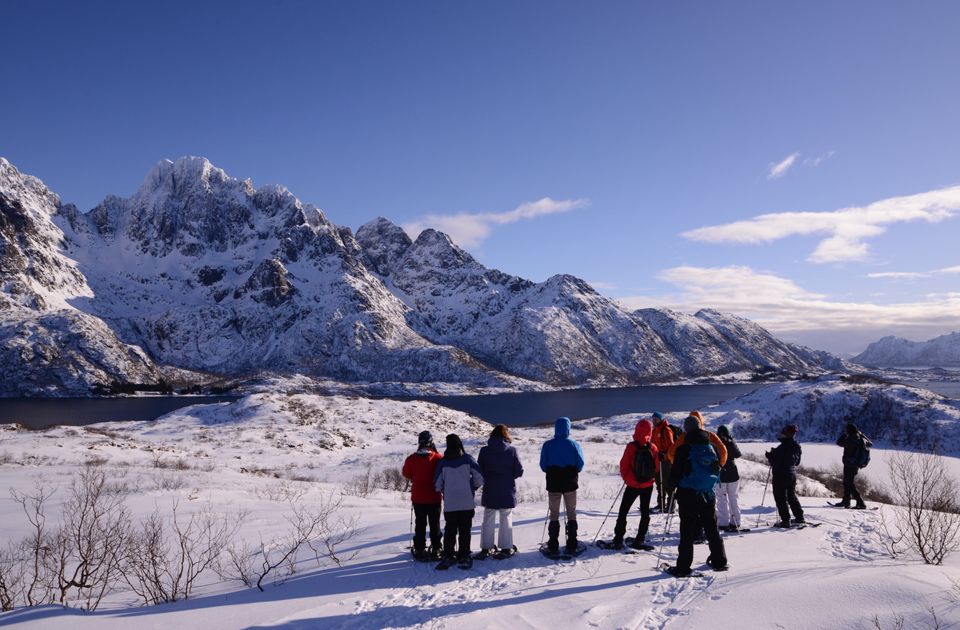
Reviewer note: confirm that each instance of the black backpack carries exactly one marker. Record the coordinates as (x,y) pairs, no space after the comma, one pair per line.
(677,431)
(644,468)
(863,453)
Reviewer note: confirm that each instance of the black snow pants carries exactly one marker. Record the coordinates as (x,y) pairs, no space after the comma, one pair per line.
(426,513)
(629,496)
(850,485)
(698,510)
(785,495)
(457,530)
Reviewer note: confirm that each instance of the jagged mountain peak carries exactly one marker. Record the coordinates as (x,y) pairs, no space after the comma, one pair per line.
(29,190)
(383,243)
(891,351)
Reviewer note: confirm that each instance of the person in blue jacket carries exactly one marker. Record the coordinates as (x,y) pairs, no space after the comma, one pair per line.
(562,460)
(500,467)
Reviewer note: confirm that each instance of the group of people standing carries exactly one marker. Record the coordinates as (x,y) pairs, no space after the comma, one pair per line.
(692,469)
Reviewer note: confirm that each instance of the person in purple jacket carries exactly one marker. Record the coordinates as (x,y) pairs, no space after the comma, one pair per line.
(500,467)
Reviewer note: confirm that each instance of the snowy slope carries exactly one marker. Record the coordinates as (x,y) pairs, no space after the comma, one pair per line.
(897,415)
(834,576)
(942,351)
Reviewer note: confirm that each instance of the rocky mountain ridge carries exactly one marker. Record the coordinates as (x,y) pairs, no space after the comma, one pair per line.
(942,351)
(202,271)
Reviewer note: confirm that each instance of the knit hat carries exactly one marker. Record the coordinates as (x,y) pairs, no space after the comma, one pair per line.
(790,430)
(723,431)
(657,416)
(425,439)
(691,424)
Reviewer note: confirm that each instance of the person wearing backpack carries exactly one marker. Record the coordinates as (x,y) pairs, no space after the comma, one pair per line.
(856,455)
(695,474)
(457,478)
(500,467)
(419,468)
(728,509)
(784,460)
(561,458)
(662,438)
(639,466)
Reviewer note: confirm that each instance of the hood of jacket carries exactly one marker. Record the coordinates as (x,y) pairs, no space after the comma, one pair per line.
(561,429)
(642,432)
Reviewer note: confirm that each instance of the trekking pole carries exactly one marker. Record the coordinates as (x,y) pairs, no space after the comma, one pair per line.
(764,496)
(545,519)
(608,512)
(411,520)
(666,529)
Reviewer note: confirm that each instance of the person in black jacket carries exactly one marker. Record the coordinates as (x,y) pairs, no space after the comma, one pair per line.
(855,445)
(728,508)
(784,460)
(697,508)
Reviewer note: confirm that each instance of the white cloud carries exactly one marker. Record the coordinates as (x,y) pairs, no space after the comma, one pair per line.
(470,229)
(780,169)
(784,307)
(846,229)
(600,285)
(911,275)
(814,162)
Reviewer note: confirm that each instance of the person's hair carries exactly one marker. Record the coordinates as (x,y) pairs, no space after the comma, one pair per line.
(501,431)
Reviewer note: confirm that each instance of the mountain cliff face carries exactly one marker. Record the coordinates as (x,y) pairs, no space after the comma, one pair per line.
(942,351)
(202,271)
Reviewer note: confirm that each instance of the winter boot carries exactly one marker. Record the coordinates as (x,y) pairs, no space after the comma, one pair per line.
(782,525)
(798,520)
(571,536)
(553,537)
(678,572)
(860,506)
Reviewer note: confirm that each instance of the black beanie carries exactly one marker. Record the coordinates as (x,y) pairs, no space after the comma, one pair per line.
(425,438)
(852,428)
(723,430)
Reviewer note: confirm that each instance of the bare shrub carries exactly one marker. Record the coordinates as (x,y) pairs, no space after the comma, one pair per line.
(321,529)
(391,479)
(34,551)
(284,491)
(87,548)
(168,481)
(165,555)
(11,578)
(359,486)
(928,523)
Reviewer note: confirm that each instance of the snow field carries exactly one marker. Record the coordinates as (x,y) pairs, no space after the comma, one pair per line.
(258,452)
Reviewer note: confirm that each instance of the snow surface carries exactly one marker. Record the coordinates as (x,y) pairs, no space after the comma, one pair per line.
(249,452)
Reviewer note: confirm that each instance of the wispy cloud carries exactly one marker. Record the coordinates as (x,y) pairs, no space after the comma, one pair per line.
(470,229)
(846,229)
(778,170)
(600,285)
(816,161)
(781,305)
(911,275)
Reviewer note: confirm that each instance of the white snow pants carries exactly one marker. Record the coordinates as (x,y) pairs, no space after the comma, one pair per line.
(505,540)
(728,511)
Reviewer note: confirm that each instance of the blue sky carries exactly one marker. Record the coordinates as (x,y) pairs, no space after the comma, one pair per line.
(629,143)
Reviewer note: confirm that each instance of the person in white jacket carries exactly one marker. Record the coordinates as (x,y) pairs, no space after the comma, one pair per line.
(457,478)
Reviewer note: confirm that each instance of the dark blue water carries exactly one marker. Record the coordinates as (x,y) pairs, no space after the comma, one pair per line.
(524,409)
(528,409)
(39,413)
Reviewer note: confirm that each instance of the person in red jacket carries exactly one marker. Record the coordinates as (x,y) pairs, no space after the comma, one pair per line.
(419,468)
(639,467)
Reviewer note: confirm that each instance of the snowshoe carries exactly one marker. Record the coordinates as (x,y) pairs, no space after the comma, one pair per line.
(841,504)
(465,563)
(678,573)
(503,554)
(782,525)
(445,564)
(483,554)
(613,545)
(636,545)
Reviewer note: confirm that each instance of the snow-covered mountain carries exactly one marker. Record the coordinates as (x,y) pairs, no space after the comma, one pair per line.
(46,345)
(202,271)
(942,351)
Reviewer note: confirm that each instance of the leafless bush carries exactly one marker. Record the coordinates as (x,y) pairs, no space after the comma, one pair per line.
(320,529)
(899,621)
(11,578)
(928,523)
(34,551)
(168,481)
(166,555)
(360,486)
(284,491)
(87,548)
(390,479)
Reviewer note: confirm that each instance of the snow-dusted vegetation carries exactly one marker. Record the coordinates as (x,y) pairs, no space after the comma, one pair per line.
(318,477)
